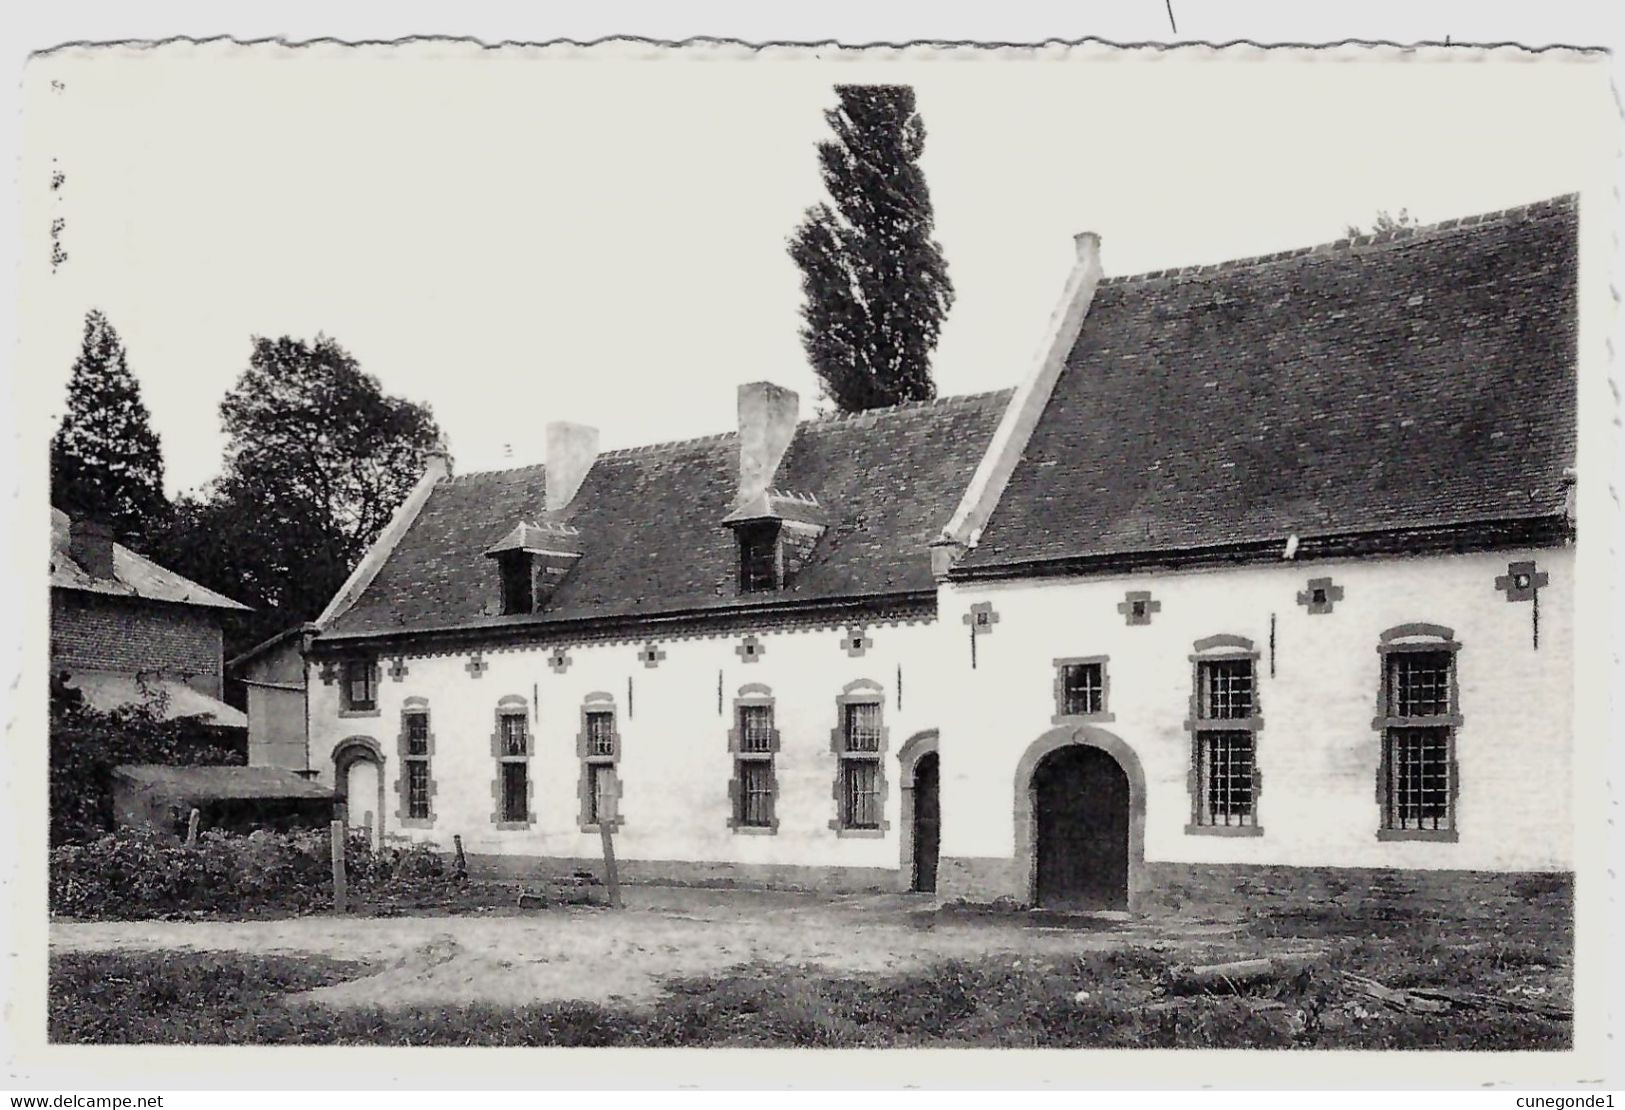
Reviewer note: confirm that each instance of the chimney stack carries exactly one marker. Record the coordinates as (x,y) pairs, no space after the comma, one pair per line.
(571,451)
(90,542)
(767,424)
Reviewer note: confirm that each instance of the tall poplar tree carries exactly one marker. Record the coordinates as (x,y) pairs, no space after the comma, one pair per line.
(875,281)
(106,462)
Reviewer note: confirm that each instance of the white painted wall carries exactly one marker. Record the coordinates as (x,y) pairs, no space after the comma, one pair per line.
(675,763)
(1317,750)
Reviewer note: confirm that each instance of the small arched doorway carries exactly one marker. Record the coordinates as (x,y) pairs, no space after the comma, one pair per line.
(1081,813)
(358,780)
(927,823)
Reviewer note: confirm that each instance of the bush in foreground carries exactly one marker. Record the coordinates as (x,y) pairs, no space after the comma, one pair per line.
(139,873)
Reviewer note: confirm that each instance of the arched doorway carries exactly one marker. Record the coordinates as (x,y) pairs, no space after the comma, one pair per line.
(927,823)
(1080,806)
(358,780)
(1081,810)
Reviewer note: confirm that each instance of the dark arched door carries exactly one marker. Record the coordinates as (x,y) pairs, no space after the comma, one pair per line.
(927,823)
(1081,803)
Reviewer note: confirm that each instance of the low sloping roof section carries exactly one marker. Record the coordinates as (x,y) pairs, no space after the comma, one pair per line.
(1419,379)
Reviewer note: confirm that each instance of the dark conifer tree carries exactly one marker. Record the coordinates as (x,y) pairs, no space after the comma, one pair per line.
(875,281)
(106,462)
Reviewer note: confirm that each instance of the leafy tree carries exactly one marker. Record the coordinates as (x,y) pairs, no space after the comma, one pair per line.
(105,458)
(875,281)
(317,461)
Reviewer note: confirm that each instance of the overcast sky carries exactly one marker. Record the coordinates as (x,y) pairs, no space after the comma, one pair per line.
(513,239)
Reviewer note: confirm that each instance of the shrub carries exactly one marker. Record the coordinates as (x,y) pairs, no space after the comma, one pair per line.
(140,873)
(87,743)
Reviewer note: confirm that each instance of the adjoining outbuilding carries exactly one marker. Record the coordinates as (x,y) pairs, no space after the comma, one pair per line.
(234,799)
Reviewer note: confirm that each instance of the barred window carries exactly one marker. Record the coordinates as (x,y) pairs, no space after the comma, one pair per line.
(1226,773)
(1419,683)
(1083,688)
(515,740)
(756,728)
(863,727)
(601,733)
(1419,778)
(1418,740)
(360,691)
(417,788)
(860,793)
(754,806)
(1224,735)
(417,734)
(515,792)
(1226,689)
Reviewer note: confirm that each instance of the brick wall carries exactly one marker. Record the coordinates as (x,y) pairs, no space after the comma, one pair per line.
(90,632)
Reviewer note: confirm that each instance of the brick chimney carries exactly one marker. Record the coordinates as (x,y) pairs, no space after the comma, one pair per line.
(90,542)
(571,451)
(767,424)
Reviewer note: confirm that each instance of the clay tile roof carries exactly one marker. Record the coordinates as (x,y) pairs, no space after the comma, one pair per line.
(651,522)
(1419,377)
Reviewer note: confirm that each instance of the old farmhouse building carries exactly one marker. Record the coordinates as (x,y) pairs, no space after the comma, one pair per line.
(1263,574)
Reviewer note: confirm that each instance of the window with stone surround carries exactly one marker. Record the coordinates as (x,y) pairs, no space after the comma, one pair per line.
(859,743)
(1080,689)
(1418,714)
(416,748)
(598,748)
(753,743)
(512,747)
(1224,723)
(358,686)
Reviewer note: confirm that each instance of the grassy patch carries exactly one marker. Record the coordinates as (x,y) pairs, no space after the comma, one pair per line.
(1103,999)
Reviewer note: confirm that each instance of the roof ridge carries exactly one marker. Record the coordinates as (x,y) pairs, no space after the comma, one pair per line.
(904,407)
(1354,244)
(952,400)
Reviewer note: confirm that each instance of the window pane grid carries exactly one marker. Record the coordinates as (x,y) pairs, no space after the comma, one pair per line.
(1419,778)
(1226,787)
(1227,689)
(863,727)
(1083,688)
(601,734)
(756,728)
(417,734)
(417,788)
(758,561)
(513,735)
(755,792)
(1419,683)
(860,794)
(599,777)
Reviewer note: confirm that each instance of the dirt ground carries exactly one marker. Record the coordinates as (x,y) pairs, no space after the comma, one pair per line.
(594,954)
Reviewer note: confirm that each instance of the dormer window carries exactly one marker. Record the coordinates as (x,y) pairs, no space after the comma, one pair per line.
(532,561)
(517,594)
(759,558)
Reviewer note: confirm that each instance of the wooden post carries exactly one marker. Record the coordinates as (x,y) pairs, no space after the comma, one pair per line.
(191,826)
(462,860)
(339,892)
(366,821)
(606,824)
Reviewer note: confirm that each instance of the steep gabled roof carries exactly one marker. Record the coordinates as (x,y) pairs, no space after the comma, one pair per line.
(133,575)
(652,532)
(1418,378)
